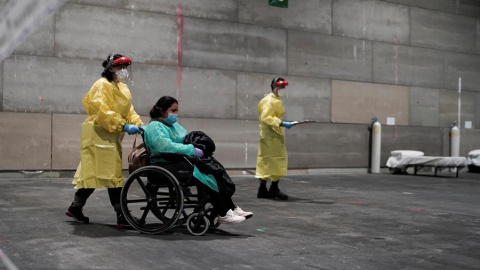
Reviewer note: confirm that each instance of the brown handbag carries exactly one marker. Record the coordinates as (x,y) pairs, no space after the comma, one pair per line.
(138,156)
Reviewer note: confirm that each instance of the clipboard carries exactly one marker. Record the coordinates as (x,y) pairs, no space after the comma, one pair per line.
(304,122)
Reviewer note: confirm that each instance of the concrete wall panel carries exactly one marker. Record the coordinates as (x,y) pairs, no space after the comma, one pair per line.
(426,139)
(476,122)
(1,85)
(33,84)
(478,36)
(463,7)
(398,64)
(211,9)
(372,20)
(449,107)
(66,132)
(307,98)
(424,106)
(442,31)
(448,110)
(150,83)
(145,37)
(325,56)
(41,41)
(309,15)
(251,88)
(356,102)
(232,46)
(236,141)
(440,5)
(327,146)
(468,141)
(26,141)
(462,65)
(207,93)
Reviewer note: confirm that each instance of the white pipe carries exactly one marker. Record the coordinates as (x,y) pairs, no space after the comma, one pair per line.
(459,100)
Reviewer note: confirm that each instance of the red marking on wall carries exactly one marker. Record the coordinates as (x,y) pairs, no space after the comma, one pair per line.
(395,58)
(418,211)
(179,49)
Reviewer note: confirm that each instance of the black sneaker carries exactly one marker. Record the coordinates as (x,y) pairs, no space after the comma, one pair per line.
(122,222)
(263,192)
(77,214)
(277,194)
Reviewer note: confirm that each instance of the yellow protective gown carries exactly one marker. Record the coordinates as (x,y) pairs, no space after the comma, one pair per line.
(109,107)
(272,154)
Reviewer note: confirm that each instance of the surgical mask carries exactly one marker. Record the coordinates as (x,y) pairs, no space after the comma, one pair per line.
(281,92)
(171,119)
(122,74)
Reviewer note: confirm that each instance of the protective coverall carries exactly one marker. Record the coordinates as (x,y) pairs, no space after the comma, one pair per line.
(109,107)
(272,153)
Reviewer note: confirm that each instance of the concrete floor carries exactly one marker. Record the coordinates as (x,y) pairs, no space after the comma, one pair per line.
(332,221)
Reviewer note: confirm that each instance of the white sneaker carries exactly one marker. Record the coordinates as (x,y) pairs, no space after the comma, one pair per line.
(230,217)
(242,213)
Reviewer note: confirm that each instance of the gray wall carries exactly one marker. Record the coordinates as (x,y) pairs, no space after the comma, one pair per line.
(346,61)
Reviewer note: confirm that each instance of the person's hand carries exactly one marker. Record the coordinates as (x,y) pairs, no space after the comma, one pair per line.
(198,152)
(287,124)
(131,129)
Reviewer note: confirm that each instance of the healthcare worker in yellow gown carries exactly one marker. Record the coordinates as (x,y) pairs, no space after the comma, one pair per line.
(272,154)
(110,114)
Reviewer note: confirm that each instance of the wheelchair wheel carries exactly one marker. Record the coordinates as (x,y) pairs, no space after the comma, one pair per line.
(197,225)
(151,200)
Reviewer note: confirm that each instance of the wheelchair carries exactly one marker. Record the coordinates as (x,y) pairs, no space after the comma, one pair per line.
(164,194)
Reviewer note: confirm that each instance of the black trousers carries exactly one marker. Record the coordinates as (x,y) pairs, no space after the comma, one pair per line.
(221,201)
(82,195)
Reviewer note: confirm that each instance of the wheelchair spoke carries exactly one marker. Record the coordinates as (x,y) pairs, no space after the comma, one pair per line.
(145,189)
(145,212)
(136,201)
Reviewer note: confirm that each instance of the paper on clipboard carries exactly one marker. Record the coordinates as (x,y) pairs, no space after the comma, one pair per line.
(304,122)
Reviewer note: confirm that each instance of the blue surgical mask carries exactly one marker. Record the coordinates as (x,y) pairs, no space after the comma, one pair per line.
(171,119)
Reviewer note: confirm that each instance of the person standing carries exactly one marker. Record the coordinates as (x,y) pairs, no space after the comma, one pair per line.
(110,113)
(272,154)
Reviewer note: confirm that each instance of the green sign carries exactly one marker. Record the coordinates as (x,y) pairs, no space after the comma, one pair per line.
(278,3)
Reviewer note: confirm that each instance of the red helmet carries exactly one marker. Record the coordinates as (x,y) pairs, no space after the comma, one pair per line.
(278,82)
(281,83)
(122,61)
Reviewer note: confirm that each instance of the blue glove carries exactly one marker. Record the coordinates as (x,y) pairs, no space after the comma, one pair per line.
(287,124)
(131,129)
(198,152)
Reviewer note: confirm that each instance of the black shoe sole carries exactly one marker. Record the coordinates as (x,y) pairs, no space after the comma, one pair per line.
(87,220)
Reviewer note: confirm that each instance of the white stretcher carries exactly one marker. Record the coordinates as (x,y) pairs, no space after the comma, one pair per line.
(473,161)
(400,160)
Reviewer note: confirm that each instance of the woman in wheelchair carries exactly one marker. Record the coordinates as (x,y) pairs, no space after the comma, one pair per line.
(164,135)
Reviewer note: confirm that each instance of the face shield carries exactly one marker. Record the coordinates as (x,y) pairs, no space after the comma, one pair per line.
(124,74)
(122,69)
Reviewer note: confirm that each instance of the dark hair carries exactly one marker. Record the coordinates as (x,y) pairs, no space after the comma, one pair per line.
(275,80)
(106,72)
(162,106)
